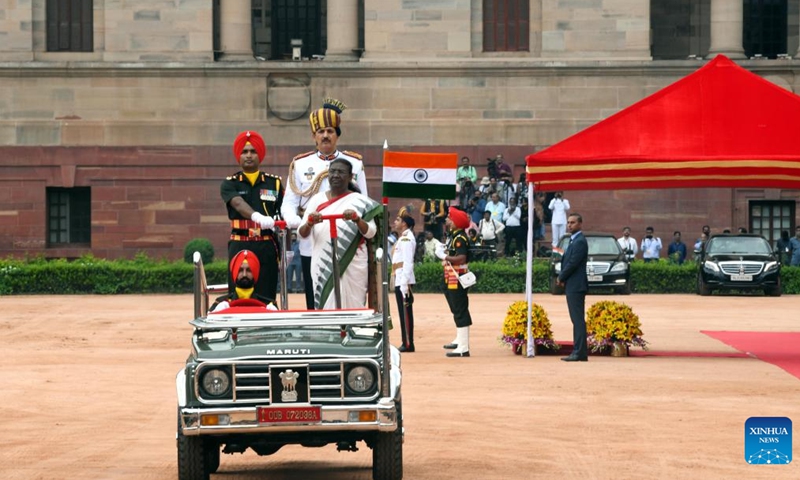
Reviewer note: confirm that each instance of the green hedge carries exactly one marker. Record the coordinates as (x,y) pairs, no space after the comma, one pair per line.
(143,275)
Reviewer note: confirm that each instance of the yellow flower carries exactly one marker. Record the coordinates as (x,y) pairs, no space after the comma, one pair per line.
(608,322)
(515,325)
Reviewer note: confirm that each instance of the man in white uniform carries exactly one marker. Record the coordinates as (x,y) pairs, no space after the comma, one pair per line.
(558,222)
(403,271)
(308,175)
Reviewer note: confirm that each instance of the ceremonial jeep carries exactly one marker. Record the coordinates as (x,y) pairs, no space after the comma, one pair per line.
(262,379)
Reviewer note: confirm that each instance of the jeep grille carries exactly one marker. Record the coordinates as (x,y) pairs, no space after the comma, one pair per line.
(251,381)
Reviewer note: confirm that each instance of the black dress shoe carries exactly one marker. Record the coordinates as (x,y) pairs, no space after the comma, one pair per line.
(574,358)
(450,346)
(403,348)
(456,354)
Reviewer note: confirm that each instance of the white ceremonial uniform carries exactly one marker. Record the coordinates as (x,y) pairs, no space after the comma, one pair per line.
(304,182)
(403,259)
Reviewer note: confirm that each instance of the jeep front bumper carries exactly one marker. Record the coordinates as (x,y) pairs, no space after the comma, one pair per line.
(238,420)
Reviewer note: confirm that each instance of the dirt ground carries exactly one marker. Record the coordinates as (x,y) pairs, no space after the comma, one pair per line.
(88,392)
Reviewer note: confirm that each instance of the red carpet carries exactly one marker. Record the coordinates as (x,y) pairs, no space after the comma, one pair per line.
(781,349)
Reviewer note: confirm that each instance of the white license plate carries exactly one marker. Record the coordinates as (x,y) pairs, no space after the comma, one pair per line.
(741,278)
(595,278)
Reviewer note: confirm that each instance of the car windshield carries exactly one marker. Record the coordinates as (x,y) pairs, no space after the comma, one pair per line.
(738,245)
(597,245)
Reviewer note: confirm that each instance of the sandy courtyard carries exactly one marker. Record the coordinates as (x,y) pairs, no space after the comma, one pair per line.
(89,393)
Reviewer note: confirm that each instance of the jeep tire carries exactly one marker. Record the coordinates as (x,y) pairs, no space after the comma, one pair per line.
(387,454)
(191,457)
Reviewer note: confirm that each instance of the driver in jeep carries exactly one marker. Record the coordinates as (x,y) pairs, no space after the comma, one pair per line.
(244,270)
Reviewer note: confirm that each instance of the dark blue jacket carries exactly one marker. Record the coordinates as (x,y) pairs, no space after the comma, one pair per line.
(573,266)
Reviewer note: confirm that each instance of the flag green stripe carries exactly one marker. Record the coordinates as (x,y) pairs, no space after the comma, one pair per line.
(419,190)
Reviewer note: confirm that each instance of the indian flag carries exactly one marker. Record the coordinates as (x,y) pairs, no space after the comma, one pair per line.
(419,175)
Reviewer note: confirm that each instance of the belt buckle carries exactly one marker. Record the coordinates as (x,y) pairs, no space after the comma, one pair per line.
(254,232)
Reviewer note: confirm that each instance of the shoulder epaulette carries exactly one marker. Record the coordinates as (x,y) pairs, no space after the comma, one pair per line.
(405,239)
(270,175)
(303,155)
(353,154)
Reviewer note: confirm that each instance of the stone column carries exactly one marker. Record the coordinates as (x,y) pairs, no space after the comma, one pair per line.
(727,26)
(236,31)
(342,31)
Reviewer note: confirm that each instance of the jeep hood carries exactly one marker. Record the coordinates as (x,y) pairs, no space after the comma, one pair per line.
(265,343)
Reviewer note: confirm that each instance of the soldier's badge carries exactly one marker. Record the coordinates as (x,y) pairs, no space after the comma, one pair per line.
(458,243)
(309,174)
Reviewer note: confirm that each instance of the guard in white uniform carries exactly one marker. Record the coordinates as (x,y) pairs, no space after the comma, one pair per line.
(308,175)
(403,273)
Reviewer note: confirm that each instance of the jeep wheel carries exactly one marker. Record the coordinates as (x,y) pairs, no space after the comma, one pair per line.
(702,288)
(211,455)
(555,289)
(387,454)
(192,458)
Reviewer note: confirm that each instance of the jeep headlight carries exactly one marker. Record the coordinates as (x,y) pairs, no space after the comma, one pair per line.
(619,267)
(771,266)
(215,382)
(708,265)
(360,379)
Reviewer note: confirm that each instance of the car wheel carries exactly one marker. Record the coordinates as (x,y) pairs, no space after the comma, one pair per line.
(774,291)
(702,288)
(387,453)
(191,457)
(555,289)
(626,290)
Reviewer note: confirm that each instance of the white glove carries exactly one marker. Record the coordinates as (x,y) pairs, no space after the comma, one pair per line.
(263,221)
(440,251)
(272,307)
(221,306)
(294,222)
(379,254)
(404,290)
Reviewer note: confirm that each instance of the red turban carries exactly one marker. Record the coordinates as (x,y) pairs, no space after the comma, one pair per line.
(254,139)
(459,218)
(252,262)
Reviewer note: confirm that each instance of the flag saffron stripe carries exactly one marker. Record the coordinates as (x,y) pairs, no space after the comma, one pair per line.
(420,160)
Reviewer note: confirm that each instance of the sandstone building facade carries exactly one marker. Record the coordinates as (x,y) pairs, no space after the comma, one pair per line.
(117,117)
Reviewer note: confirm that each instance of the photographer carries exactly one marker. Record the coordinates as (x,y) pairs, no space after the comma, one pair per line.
(559,206)
(628,243)
(476,206)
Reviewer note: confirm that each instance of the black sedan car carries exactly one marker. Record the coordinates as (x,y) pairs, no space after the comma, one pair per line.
(741,262)
(607,267)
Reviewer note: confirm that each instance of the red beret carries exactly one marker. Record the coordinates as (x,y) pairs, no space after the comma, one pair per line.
(252,262)
(459,218)
(255,140)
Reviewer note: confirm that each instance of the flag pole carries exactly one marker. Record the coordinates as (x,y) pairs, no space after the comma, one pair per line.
(531,351)
(385,283)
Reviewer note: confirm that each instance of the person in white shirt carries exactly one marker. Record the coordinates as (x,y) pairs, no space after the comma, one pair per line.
(628,244)
(495,208)
(513,231)
(489,229)
(558,222)
(651,246)
(403,271)
(308,175)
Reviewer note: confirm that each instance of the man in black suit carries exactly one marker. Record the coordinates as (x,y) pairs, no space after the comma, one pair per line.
(573,279)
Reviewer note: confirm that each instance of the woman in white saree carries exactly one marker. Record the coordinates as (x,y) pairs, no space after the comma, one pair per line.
(353,230)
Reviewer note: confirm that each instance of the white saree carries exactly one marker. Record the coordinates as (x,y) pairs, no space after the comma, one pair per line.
(351,252)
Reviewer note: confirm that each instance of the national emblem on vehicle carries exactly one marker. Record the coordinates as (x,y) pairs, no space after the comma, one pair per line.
(289,382)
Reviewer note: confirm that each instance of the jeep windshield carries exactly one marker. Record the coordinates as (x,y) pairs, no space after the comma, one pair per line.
(738,246)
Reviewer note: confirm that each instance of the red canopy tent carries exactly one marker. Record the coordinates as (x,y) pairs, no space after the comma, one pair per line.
(720,126)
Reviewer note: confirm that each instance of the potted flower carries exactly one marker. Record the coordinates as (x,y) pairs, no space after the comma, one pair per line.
(515,327)
(613,325)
